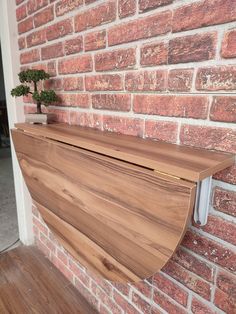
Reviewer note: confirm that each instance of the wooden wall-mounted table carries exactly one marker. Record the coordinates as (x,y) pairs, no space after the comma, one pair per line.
(119,204)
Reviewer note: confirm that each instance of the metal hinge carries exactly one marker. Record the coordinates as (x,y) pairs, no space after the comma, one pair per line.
(202,202)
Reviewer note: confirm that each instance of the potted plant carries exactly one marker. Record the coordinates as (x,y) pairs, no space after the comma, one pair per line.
(41,97)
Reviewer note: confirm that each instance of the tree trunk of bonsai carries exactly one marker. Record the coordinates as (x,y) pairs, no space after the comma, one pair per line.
(39,107)
(39,110)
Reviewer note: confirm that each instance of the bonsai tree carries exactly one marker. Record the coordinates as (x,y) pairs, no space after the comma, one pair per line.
(29,77)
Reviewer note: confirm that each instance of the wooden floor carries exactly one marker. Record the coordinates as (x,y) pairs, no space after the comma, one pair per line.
(29,283)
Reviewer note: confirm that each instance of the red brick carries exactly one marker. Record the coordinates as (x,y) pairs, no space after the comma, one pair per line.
(180,80)
(227,175)
(21,12)
(198,307)
(140,303)
(21,43)
(39,66)
(204,13)
(87,294)
(155,310)
(53,238)
(146,81)
(52,51)
(29,56)
(145,5)
(225,201)
(126,8)
(35,212)
(104,298)
(115,60)
(227,283)
(122,125)
(154,54)
(192,48)
(228,49)
(40,226)
(103,309)
(62,257)
(170,288)
(188,279)
(221,228)
(59,29)
(51,68)
(95,40)
(62,267)
(123,289)
(25,26)
(208,137)
(123,303)
(160,299)
(193,264)
(61,115)
(42,247)
(73,83)
(29,100)
(216,78)
(43,17)
(99,15)
(104,82)
(93,286)
(223,109)
(35,5)
(35,230)
(224,302)
(210,250)
(118,102)
(74,100)
(79,273)
(144,288)
(175,106)
(47,242)
(74,45)
(86,119)
(153,25)
(55,84)
(81,118)
(64,6)
(161,130)
(19,2)
(36,38)
(75,65)
(101,282)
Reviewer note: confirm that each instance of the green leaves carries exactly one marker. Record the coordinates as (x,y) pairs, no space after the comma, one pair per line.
(29,76)
(45,96)
(48,96)
(20,90)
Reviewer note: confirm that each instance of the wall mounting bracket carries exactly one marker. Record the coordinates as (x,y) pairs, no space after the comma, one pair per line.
(202,201)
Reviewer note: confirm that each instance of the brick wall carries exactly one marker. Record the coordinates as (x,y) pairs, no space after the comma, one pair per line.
(161,69)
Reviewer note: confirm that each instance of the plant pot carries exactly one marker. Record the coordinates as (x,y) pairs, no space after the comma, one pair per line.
(39,118)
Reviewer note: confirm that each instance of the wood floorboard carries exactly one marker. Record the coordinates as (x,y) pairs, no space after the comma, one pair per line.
(29,283)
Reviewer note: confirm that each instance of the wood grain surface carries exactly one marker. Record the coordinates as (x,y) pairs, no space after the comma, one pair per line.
(29,283)
(185,162)
(120,220)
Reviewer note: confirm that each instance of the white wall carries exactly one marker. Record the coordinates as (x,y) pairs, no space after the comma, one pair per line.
(8,38)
